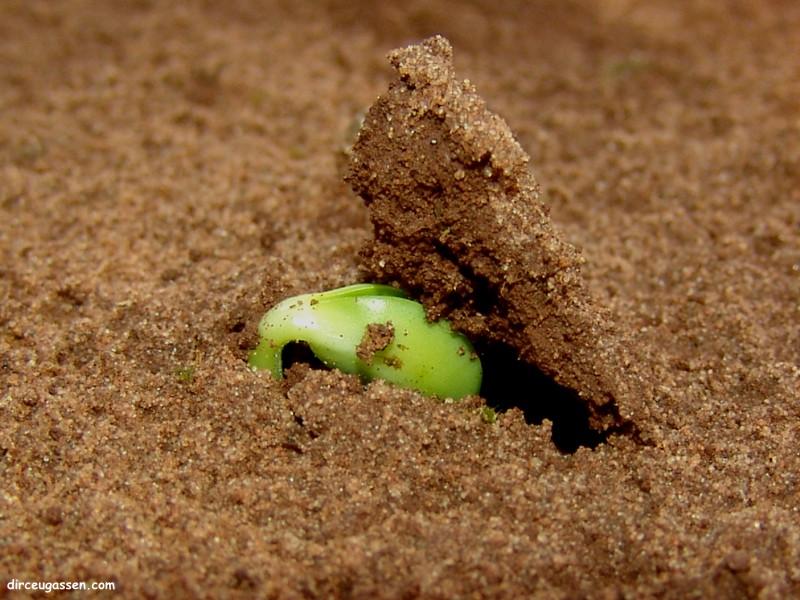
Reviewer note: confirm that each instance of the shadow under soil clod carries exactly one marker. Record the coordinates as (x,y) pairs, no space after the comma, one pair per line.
(511,383)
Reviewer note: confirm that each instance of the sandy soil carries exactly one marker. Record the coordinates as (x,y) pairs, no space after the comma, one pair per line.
(170,170)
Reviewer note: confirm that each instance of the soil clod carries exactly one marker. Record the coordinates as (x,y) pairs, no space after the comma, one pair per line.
(377,337)
(458,221)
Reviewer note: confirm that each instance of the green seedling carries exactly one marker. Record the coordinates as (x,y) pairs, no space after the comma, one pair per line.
(185,374)
(488,415)
(373,331)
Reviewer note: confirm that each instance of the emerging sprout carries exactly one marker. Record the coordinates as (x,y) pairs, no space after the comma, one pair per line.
(376,332)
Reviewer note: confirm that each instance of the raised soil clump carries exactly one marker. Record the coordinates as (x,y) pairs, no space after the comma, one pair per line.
(458,221)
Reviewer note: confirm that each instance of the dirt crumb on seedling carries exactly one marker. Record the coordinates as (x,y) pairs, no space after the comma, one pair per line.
(459,223)
(377,337)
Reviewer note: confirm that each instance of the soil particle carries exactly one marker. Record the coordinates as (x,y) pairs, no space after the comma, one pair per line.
(377,337)
(459,222)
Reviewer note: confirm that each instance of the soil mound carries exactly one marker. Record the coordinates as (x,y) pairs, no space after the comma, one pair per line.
(458,221)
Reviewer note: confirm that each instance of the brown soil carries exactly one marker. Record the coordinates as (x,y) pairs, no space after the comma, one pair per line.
(170,170)
(377,337)
(459,222)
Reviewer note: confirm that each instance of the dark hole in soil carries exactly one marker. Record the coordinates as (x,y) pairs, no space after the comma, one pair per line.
(298,352)
(511,383)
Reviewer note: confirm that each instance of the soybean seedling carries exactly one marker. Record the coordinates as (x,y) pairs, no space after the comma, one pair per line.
(373,331)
